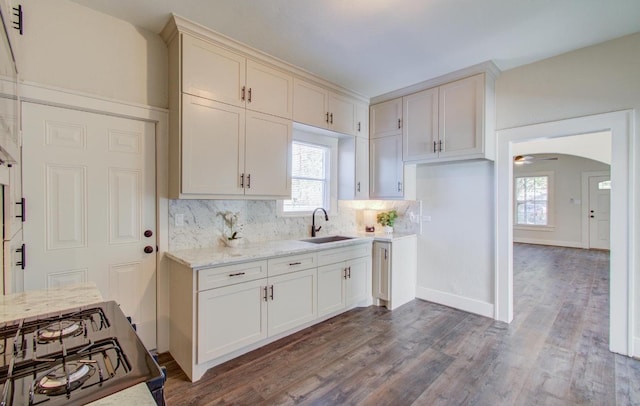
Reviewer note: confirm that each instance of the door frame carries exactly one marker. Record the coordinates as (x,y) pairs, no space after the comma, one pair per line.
(624,221)
(586,240)
(71,99)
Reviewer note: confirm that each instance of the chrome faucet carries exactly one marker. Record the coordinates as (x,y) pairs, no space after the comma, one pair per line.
(314,230)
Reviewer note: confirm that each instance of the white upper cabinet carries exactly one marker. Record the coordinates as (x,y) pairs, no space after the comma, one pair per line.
(269,90)
(215,73)
(386,118)
(420,130)
(461,115)
(448,122)
(317,106)
(362,120)
(212,72)
(387,171)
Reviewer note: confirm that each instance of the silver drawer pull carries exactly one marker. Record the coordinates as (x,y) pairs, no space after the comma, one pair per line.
(295,263)
(236,274)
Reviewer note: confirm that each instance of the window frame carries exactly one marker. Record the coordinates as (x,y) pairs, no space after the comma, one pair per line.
(550,226)
(331,143)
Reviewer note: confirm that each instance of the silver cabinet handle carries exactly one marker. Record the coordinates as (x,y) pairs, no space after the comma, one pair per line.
(244,88)
(327,120)
(265,293)
(399,186)
(249,100)
(249,181)
(236,274)
(434,147)
(359,127)
(385,253)
(440,143)
(295,263)
(399,125)
(345,273)
(271,292)
(349,268)
(358,188)
(242,181)
(331,115)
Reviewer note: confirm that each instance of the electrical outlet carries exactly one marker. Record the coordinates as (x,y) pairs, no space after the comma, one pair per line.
(426,218)
(179,220)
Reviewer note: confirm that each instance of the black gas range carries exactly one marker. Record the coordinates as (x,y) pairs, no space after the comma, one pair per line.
(73,357)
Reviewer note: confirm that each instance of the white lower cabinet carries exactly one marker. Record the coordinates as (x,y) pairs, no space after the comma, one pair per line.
(395,271)
(220,312)
(291,300)
(230,318)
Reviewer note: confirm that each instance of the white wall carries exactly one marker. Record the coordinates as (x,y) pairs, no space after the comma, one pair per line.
(597,79)
(567,214)
(456,248)
(69,46)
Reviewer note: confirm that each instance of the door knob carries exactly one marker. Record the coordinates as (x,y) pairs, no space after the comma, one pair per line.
(148,233)
(148,249)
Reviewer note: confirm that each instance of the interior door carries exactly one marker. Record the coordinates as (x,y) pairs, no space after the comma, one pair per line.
(89,185)
(599,211)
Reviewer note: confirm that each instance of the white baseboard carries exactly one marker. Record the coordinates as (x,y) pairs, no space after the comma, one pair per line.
(457,302)
(569,244)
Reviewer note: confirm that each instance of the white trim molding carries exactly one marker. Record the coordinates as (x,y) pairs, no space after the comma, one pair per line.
(457,302)
(538,241)
(625,201)
(36,93)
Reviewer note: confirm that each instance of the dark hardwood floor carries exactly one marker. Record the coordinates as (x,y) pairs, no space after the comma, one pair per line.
(555,352)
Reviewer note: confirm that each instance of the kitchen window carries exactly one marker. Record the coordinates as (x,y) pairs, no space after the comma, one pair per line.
(313,170)
(533,198)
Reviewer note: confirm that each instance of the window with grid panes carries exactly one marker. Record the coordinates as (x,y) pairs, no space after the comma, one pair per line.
(532,200)
(309,178)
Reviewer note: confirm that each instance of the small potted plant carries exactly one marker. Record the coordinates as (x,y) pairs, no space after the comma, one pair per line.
(387,219)
(232,238)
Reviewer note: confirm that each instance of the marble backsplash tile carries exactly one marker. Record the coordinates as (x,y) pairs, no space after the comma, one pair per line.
(258,220)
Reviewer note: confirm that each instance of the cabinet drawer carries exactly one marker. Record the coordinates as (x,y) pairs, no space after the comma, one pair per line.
(292,263)
(343,254)
(231,274)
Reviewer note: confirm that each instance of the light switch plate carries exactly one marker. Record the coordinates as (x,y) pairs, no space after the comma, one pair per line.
(179,220)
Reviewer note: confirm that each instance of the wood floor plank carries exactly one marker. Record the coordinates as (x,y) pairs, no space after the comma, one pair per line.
(555,352)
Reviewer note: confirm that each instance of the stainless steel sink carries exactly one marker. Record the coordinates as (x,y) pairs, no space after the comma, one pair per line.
(323,240)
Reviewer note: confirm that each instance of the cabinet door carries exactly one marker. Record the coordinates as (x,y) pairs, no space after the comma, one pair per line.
(230,318)
(292,300)
(386,118)
(267,156)
(13,259)
(13,209)
(269,90)
(381,270)
(212,72)
(342,114)
(386,167)
(362,168)
(212,147)
(362,120)
(420,125)
(461,117)
(310,104)
(331,288)
(358,281)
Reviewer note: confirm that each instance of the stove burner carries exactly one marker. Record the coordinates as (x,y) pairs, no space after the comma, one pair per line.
(63,379)
(60,329)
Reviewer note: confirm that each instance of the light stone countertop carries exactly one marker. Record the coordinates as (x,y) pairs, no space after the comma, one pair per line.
(381,236)
(36,302)
(137,395)
(199,258)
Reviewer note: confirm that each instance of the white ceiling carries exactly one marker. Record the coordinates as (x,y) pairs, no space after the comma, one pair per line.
(376,46)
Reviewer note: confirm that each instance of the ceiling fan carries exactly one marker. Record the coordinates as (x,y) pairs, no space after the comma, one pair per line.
(529,159)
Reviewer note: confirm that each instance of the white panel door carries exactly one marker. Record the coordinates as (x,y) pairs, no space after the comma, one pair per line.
(599,211)
(267,155)
(89,184)
(331,288)
(362,168)
(292,300)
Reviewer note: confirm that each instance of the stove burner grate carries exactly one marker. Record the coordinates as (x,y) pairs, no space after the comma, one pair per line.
(60,329)
(63,379)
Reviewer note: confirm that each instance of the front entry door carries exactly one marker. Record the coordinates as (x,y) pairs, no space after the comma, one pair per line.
(599,203)
(89,184)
